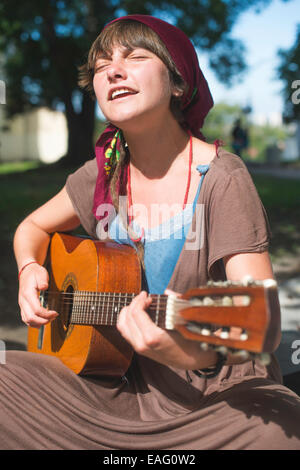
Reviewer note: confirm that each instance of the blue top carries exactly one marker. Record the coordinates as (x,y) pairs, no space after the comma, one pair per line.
(162,243)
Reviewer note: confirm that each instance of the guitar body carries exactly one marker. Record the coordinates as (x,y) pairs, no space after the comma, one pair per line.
(79,264)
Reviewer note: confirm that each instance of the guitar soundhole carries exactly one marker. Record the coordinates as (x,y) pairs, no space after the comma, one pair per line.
(69,286)
(67,307)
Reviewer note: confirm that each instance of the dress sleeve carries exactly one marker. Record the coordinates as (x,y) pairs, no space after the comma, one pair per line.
(237,220)
(80,187)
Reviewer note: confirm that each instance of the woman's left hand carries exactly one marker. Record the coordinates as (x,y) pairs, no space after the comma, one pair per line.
(167,347)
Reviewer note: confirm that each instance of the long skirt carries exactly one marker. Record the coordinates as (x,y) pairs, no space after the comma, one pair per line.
(45,406)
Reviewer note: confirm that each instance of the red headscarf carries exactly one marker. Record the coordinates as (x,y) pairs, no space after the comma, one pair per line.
(195,105)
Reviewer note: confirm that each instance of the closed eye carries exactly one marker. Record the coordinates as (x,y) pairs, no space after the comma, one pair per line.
(100,67)
(139,57)
(101,63)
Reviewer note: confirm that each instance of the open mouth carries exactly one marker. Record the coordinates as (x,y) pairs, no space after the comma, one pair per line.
(121,93)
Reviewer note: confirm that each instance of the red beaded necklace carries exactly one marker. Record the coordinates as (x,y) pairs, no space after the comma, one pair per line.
(186,192)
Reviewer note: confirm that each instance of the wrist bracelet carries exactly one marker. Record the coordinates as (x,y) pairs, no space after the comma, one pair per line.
(209,373)
(23,267)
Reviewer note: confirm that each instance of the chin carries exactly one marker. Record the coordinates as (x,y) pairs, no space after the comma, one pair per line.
(131,122)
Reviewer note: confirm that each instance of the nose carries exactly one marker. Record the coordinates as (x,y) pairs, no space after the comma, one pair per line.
(116,71)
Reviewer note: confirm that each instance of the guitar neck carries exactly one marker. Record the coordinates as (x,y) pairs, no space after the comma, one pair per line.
(94,308)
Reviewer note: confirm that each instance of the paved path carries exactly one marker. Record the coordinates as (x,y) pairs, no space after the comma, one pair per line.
(287,353)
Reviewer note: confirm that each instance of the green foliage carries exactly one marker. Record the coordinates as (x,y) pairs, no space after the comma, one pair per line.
(15,167)
(219,124)
(264,136)
(44,42)
(99,128)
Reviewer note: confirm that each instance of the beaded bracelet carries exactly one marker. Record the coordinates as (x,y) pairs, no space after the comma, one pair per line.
(25,266)
(212,372)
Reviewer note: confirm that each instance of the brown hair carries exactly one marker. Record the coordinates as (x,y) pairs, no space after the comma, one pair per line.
(130,34)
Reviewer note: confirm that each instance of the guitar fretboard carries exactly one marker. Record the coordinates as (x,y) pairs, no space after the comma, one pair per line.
(93,308)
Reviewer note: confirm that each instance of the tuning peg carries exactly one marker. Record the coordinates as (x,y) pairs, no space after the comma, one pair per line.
(242,354)
(244,335)
(199,329)
(247,280)
(206,331)
(222,350)
(194,327)
(205,346)
(225,332)
(227,301)
(208,301)
(195,301)
(264,358)
(267,283)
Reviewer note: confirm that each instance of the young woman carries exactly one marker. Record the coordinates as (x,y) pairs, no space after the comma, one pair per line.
(148,84)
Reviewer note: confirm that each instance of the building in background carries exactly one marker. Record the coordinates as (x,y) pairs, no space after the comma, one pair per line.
(39,134)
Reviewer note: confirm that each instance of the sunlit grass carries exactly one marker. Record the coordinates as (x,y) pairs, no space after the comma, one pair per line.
(16,167)
(278,192)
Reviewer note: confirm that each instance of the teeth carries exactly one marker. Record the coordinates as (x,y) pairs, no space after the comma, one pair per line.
(120,92)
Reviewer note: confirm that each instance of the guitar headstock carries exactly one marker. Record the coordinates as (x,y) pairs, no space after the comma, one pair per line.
(241,317)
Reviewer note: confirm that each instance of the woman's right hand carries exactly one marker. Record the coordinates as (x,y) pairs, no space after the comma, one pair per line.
(31,242)
(32,280)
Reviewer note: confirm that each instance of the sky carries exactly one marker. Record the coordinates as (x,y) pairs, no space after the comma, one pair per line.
(263,34)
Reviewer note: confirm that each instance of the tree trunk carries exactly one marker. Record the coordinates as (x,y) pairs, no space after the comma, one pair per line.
(80,131)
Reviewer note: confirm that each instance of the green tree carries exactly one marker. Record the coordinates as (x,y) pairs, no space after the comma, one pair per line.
(220,121)
(44,42)
(289,73)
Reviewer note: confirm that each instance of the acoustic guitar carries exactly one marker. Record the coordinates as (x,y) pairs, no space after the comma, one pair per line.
(89,283)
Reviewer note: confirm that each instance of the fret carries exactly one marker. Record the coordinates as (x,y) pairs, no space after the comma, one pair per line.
(82,306)
(74,307)
(82,303)
(87,306)
(97,307)
(92,307)
(79,302)
(119,307)
(84,309)
(157,309)
(90,304)
(113,309)
(107,309)
(102,307)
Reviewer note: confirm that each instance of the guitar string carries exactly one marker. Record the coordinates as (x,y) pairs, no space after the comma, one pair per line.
(99,294)
(112,316)
(111,303)
(117,297)
(90,295)
(96,314)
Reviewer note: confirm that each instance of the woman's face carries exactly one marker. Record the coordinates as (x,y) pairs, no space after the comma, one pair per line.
(132,87)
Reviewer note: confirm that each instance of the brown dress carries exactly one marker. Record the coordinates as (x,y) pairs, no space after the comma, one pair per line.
(43,405)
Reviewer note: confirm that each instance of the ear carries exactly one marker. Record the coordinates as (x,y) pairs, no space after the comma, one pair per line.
(177,93)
